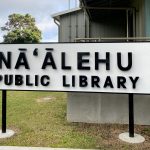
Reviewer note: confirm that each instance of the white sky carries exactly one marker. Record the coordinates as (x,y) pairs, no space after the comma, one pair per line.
(40,9)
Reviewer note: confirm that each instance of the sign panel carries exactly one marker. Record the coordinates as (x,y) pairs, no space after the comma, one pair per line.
(81,67)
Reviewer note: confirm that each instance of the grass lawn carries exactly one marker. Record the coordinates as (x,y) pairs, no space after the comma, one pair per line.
(39,119)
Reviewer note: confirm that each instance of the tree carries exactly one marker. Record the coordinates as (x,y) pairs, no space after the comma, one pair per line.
(21,29)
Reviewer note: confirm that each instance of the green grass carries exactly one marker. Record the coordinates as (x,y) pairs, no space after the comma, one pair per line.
(41,124)
(45,124)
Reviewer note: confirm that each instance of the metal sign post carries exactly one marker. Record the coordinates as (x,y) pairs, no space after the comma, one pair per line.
(131,115)
(131,137)
(4,111)
(4,132)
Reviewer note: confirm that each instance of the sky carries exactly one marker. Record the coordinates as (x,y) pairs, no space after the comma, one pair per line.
(41,10)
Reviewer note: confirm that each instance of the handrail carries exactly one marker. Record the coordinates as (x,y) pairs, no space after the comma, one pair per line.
(100,39)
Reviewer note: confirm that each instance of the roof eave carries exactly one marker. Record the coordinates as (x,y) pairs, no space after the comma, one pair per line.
(57,15)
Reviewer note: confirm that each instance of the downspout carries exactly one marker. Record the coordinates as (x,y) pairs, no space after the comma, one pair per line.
(57,23)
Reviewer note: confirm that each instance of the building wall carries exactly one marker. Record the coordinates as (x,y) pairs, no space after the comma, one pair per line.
(72,26)
(94,108)
(147,18)
(78,25)
(104,108)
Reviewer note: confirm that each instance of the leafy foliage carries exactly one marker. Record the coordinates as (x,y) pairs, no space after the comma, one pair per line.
(21,29)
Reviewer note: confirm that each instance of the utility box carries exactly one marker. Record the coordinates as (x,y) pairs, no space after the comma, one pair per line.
(106,21)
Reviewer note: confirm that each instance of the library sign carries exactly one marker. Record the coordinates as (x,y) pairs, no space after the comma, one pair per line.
(81,67)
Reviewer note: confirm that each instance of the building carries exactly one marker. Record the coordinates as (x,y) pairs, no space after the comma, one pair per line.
(100,21)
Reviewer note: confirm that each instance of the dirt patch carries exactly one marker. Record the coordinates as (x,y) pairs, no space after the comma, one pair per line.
(107,136)
(45,99)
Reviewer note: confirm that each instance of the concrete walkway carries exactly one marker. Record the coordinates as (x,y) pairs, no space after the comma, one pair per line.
(32,148)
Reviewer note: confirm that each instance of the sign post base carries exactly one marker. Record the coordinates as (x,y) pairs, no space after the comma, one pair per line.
(8,134)
(134,140)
